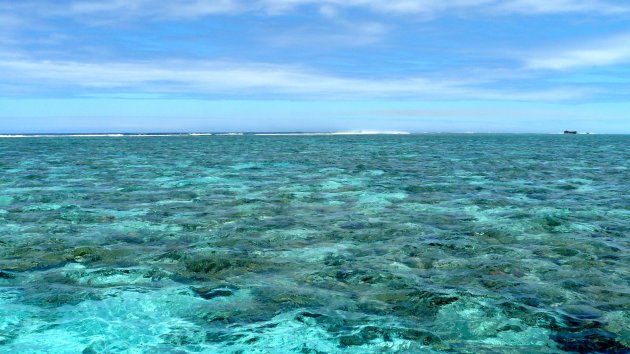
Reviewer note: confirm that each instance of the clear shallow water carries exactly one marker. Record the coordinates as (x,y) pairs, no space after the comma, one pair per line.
(315,244)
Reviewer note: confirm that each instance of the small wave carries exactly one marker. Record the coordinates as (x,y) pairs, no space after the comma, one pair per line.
(119,135)
(372,132)
(152,135)
(361,132)
(289,134)
(111,135)
(91,135)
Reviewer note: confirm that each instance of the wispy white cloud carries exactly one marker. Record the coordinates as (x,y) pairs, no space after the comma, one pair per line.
(108,10)
(432,7)
(560,6)
(156,9)
(609,51)
(360,34)
(8,21)
(344,33)
(247,79)
(328,11)
(9,24)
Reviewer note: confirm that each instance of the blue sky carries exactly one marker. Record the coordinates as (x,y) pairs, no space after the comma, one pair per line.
(306,65)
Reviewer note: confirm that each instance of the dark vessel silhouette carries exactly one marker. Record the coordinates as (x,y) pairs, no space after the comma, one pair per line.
(570,132)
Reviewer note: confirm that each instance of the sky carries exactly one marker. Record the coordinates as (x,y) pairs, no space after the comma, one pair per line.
(530,66)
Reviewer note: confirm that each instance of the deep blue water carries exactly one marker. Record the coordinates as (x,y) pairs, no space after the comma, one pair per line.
(315,244)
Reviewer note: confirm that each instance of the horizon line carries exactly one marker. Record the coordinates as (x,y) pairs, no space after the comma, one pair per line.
(276,133)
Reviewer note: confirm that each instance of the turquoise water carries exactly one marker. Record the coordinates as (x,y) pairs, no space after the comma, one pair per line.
(315,244)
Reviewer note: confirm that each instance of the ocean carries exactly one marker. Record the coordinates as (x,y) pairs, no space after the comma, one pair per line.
(466,243)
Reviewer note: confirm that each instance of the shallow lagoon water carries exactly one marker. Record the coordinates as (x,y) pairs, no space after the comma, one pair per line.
(315,244)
